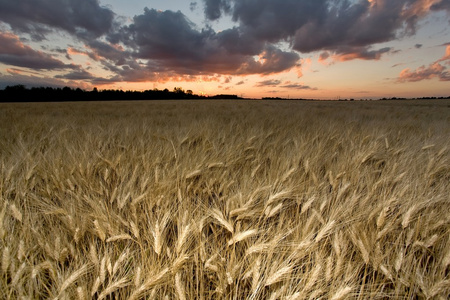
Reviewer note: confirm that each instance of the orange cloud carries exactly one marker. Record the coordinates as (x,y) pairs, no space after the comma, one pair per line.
(422,73)
(434,70)
(419,8)
(90,54)
(446,55)
(363,54)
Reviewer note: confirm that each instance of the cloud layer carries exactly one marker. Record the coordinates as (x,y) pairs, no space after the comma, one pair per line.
(13,52)
(164,45)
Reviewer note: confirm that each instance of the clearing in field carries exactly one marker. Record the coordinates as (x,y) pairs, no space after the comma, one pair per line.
(225,200)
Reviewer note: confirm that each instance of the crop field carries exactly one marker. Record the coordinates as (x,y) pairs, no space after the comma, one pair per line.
(225,200)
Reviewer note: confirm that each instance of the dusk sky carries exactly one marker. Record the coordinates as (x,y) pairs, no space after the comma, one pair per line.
(321,49)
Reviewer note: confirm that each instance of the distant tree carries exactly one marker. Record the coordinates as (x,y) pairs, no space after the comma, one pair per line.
(189,92)
(178,90)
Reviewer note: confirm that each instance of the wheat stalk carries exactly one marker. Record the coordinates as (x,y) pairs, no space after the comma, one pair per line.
(150,282)
(217,215)
(119,238)
(6,259)
(16,213)
(324,231)
(100,231)
(341,293)
(278,275)
(242,236)
(72,278)
(113,287)
(179,287)
(182,238)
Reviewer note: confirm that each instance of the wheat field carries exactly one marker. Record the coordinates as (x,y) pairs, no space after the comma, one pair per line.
(225,200)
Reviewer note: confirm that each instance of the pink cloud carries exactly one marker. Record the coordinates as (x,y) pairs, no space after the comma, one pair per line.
(446,55)
(434,70)
(422,73)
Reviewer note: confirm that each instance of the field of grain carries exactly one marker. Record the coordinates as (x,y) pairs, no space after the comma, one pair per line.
(225,200)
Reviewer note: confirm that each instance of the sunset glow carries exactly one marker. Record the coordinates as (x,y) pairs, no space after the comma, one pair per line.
(319,49)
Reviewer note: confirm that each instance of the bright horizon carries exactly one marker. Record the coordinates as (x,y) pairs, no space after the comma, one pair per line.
(319,49)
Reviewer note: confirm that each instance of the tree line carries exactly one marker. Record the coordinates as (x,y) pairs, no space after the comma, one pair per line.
(20,93)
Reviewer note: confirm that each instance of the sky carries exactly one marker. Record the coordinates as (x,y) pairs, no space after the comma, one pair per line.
(319,49)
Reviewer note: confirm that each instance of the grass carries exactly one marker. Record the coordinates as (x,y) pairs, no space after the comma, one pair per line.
(225,200)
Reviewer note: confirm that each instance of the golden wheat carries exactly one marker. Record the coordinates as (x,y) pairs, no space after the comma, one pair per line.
(225,200)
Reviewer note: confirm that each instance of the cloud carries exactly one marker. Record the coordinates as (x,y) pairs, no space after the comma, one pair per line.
(38,17)
(422,73)
(171,43)
(434,70)
(38,81)
(351,25)
(397,65)
(326,25)
(346,53)
(270,82)
(215,8)
(324,56)
(227,79)
(298,87)
(286,85)
(271,60)
(441,5)
(446,56)
(15,53)
(364,53)
(77,75)
(105,50)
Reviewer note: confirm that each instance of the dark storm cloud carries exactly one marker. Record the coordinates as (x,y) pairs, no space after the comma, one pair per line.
(350,25)
(237,42)
(172,43)
(167,35)
(274,20)
(215,8)
(13,52)
(312,25)
(272,60)
(38,17)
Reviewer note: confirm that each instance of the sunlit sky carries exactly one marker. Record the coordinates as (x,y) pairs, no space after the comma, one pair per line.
(320,49)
